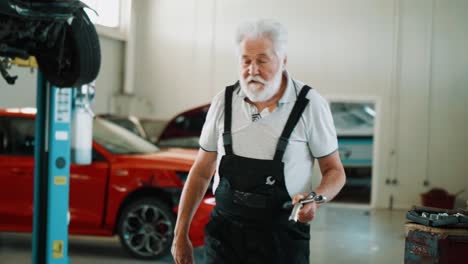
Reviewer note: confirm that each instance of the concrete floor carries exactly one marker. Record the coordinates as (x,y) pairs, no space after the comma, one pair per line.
(343,235)
(339,235)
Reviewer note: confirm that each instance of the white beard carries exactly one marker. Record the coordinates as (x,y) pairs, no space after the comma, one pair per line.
(253,90)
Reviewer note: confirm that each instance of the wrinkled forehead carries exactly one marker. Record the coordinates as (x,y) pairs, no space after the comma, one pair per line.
(256,46)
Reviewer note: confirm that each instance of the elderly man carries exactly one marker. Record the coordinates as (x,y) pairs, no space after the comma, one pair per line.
(262,134)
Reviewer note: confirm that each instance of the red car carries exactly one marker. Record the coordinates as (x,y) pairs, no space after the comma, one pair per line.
(184,129)
(131,189)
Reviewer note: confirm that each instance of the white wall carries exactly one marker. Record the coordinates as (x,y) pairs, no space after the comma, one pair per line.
(431,91)
(409,54)
(108,83)
(174,56)
(23,93)
(448,124)
(110,79)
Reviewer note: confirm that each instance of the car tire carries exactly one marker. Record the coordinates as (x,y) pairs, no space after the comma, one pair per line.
(81,53)
(146,228)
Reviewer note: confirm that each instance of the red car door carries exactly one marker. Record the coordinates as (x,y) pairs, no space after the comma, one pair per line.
(87,184)
(16,173)
(87,194)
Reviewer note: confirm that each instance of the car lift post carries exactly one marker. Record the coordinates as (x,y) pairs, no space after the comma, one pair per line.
(51,173)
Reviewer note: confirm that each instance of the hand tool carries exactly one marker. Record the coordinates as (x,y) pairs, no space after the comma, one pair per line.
(312,197)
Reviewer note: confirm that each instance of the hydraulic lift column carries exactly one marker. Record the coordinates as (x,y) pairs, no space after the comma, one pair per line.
(51,173)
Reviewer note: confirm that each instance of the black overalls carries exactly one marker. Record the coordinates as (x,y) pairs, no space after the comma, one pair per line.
(249,223)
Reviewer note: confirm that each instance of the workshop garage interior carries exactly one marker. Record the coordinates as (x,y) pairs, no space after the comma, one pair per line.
(109,111)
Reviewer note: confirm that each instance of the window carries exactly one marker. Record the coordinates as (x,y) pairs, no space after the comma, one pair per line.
(108,12)
(118,140)
(22,136)
(3,138)
(97,156)
(112,18)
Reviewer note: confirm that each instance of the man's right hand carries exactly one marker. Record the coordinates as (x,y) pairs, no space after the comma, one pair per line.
(194,189)
(182,250)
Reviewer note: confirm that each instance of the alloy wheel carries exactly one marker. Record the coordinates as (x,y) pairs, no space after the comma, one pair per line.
(147,230)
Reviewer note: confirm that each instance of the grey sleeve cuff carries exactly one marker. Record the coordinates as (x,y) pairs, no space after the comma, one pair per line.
(207,150)
(324,156)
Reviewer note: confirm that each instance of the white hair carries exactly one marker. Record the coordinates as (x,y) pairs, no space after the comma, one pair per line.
(268,28)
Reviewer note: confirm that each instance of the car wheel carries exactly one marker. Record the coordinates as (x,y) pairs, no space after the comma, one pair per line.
(80,53)
(146,228)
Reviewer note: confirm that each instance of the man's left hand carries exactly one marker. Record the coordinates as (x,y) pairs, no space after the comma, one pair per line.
(307,212)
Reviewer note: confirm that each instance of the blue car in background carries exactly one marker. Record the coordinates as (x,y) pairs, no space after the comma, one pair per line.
(354,124)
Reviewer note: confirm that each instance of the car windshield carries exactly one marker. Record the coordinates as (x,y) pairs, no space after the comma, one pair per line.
(118,140)
(127,124)
(353,118)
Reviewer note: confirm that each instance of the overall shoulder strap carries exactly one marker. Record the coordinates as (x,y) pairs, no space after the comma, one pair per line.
(294,117)
(227,137)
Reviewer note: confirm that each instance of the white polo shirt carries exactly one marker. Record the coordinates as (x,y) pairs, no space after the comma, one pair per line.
(255,135)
